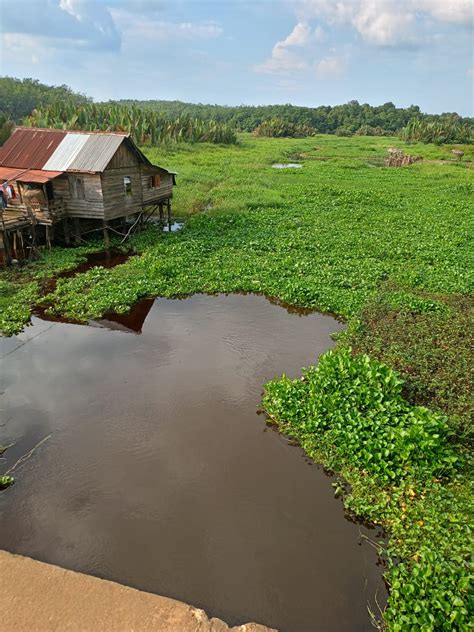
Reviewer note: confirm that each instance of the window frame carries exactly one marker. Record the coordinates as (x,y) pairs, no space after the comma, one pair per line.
(77,189)
(127,187)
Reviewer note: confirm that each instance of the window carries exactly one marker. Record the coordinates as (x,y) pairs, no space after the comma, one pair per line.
(127,186)
(76,187)
(49,190)
(154,181)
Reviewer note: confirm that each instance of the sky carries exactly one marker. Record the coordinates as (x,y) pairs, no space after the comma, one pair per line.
(305,52)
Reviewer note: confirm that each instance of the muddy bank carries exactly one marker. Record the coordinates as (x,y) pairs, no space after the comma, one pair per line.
(46,598)
(160,475)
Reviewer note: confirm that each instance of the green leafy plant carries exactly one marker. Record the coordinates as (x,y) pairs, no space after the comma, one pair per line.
(349,413)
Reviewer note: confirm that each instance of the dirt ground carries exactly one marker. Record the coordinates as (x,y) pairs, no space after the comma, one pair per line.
(38,597)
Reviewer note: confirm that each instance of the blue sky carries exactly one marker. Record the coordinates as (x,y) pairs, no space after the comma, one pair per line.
(306,52)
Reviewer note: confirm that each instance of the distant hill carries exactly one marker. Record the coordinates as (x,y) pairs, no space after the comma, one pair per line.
(18,97)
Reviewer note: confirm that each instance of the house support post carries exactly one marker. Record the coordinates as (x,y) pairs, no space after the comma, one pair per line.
(67,236)
(15,246)
(21,243)
(4,247)
(76,230)
(106,235)
(161,212)
(48,236)
(4,241)
(32,218)
(168,208)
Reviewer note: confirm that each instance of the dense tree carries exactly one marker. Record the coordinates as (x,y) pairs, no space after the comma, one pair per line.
(18,97)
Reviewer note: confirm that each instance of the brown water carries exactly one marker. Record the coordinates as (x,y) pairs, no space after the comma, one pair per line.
(159,474)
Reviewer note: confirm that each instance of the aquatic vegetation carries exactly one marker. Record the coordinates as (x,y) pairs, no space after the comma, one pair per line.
(17,305)
(21,288)
(6,481)
(356,405)
(405,473)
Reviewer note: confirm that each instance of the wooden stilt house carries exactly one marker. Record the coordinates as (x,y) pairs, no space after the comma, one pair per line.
(73,178)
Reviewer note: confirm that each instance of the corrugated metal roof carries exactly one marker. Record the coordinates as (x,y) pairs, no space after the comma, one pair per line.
(67,151)
(10,173)
(27,175)
(61,150)
(30,148)
(96,153)
(38,175)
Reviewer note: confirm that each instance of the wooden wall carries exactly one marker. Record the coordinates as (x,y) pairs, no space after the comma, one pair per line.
(156,194)
(116,203)
(123,157)
(92,206)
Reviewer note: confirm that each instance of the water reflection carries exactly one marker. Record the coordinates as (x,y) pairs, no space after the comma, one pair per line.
(160,475)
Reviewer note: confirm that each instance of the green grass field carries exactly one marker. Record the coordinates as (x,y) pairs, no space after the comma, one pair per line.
(389,250)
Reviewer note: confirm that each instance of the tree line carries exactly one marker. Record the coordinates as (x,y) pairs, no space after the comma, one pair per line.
(154,122)
(347,119)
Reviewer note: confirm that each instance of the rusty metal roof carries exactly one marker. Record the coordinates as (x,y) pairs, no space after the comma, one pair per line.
(27,175)
(38,175)
(10,173)
(61,150)
(30,148)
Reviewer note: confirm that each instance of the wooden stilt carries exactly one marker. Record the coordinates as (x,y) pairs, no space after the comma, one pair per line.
(106,235)
(76,230)
(168,208)
(6,245)
(67,236)
(3,252)
(161,212)
(14,246)
(32,218)
(4,241)
(22,245)
(48,236)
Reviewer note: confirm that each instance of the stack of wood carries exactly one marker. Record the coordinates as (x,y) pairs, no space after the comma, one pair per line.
(34,197)
(457,153)
(396,158)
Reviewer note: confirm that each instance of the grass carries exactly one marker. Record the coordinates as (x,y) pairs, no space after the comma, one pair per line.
(389,250)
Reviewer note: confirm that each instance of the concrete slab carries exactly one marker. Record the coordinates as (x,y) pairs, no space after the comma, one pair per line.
(38,597)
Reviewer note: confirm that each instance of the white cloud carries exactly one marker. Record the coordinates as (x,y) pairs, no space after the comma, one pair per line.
(299,36)
(470,72)
(96,25)
(137,27)
(80,23)
(454,11)
(330,67)
(382,27)
(379,23)
(386,22)
(286,57)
